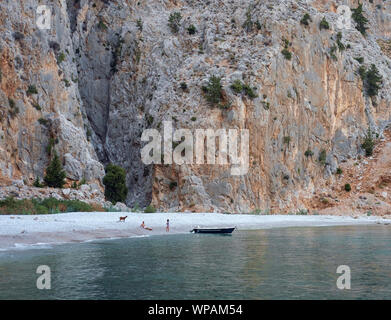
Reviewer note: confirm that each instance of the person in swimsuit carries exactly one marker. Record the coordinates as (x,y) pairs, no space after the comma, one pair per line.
(144,227)
(168,226)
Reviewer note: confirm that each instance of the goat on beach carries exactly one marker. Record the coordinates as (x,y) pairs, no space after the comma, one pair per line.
(122,219)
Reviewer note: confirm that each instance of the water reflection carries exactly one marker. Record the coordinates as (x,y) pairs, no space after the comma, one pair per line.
(290,263)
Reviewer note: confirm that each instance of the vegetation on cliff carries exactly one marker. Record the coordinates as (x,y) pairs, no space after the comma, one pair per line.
(368,144)
(150,209)
(115,184)
(213,90)
(324,24)
(359,19)
(238,87)
(372,80)
(285,52)
(46,206)
(55,174)
(174,21)
(306,19)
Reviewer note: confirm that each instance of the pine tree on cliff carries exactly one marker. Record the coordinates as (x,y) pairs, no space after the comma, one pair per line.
(115,184)
(373,81)
(55,175)
(361,21)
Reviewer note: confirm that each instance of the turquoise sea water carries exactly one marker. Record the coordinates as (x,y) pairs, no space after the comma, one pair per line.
(288,263)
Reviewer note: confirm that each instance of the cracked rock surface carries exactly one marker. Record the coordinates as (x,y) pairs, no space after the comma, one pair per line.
(107,70)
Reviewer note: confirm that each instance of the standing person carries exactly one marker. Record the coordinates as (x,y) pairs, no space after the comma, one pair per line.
(168,225)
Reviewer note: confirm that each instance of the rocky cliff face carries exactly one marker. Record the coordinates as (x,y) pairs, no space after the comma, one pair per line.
(107,70)
(39,97)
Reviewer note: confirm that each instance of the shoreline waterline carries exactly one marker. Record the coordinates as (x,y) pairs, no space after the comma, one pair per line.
(25,231)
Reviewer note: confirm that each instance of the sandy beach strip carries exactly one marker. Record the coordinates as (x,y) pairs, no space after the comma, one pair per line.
(22,230)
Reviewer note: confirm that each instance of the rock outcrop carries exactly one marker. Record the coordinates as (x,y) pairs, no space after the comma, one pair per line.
(87,193)
(108,70)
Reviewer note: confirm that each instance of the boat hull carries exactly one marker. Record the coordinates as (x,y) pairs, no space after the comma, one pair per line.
(213,230)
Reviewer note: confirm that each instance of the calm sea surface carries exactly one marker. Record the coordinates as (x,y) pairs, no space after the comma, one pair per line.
(289,263)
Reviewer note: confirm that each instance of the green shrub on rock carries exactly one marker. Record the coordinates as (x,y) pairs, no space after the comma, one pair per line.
(150,209)
(368,144)
(322,157)
(237,86)
(55,175)
(306,19)
(373,81)
(287,54)
(192,29)
(308,153)
(174,21)
(32,89)
(37,183)
(324,24)
(115,184)
(359,19)
(214,90)
(46,206)
(249,91)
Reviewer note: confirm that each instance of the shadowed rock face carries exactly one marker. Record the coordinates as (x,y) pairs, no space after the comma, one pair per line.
(107,70)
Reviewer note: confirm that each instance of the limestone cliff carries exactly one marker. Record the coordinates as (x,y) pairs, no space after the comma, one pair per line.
(39,97)
(107,70)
